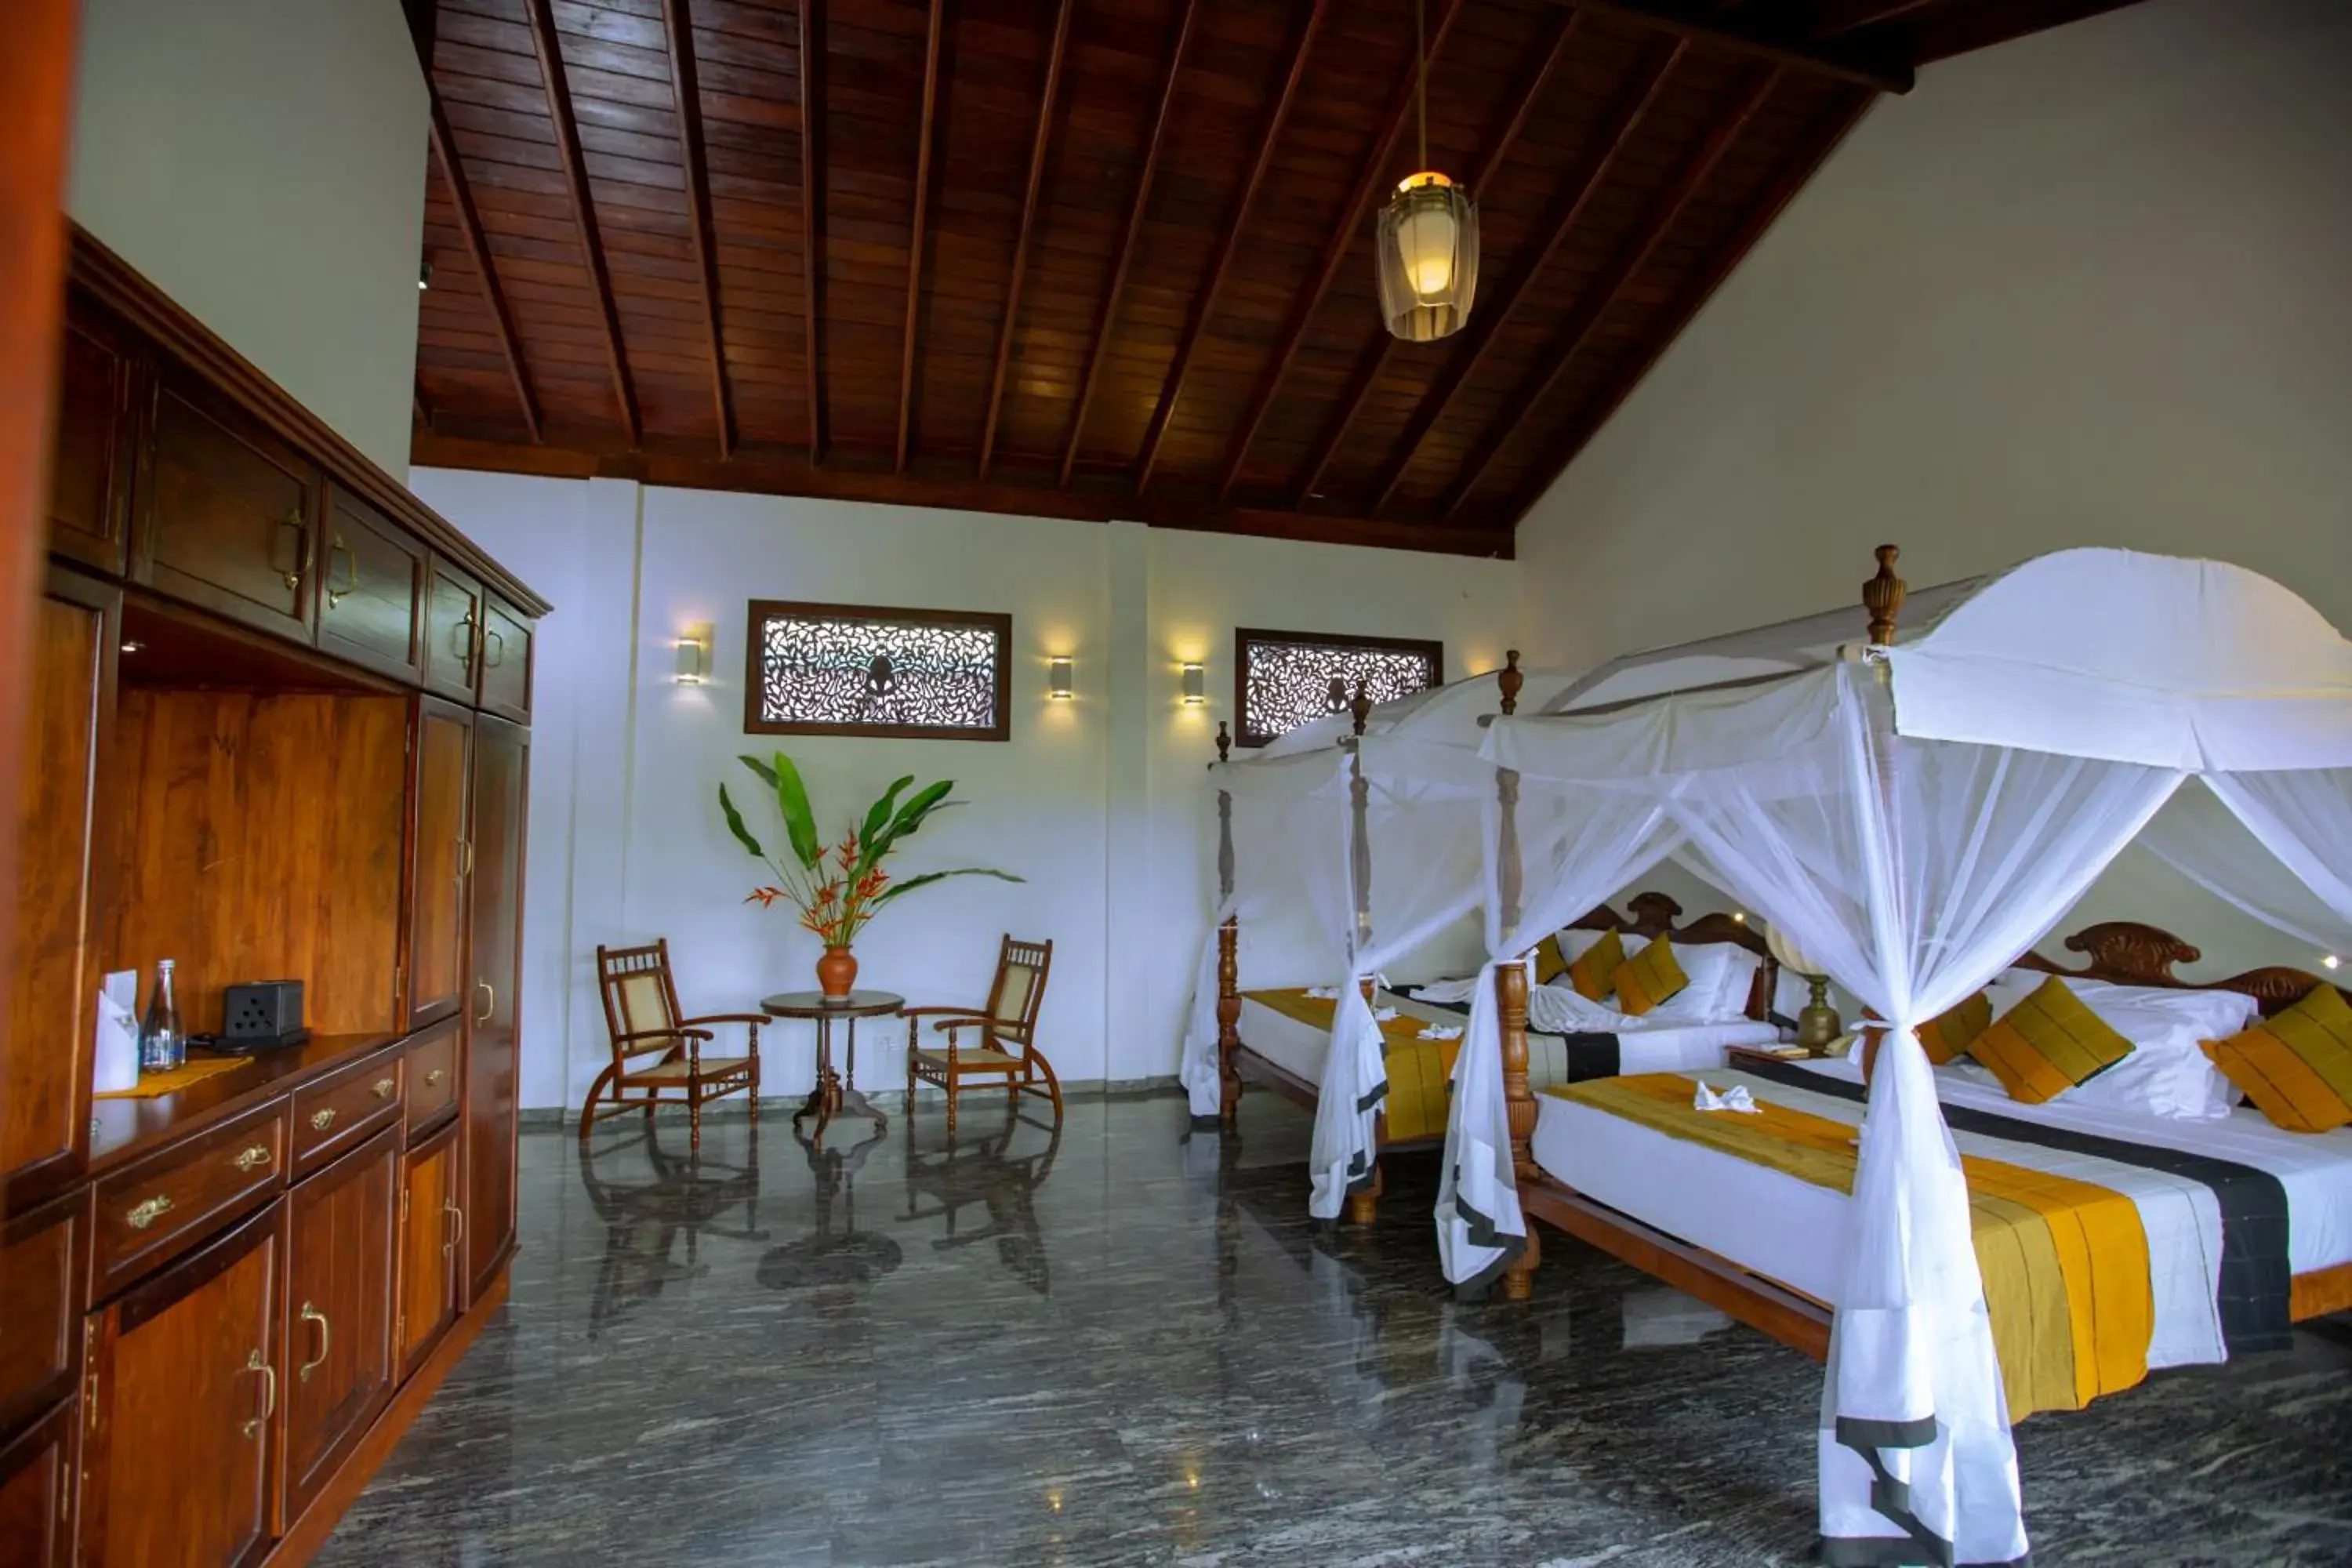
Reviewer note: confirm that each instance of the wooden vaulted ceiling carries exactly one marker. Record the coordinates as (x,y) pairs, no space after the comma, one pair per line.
(1102,258)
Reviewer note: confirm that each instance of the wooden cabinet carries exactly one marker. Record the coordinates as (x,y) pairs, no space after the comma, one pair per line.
(45,1053)
(37,1490)
(44,1257)
(339,1312)
(230,519)
(432,1217)
(343,1108)
(371,589)
(501,769)
(437,857)
(155,1207)
(506,663)
(185,1377)
(92,469)
(433,1071)
(452,632)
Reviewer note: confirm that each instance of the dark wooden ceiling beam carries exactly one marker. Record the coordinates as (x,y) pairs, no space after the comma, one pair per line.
(811,88)
(1835,19)
(1626,121)
(469,225)
(1737,34)
(1106,316)
(549,48)
(1603,291)
(914,239)
(1045,98)
(686,82)
(1374,362)
(1343,236)
(1204,297)
(1812,149)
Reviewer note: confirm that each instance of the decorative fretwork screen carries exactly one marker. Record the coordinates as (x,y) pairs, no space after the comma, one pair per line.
(852,670)
(1282,679)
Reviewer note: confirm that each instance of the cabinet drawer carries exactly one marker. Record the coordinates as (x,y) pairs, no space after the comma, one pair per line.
(506,662)
(230,521)
(340,1111)
(371,589)
(41,1274)
(154,1209)
(432,1077)
(452,632)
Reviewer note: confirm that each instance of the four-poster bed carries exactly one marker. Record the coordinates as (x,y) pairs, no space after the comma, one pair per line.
(1917,815)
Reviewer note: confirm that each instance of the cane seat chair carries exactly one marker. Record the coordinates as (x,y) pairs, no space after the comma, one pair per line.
(992,1044)
(658,1055)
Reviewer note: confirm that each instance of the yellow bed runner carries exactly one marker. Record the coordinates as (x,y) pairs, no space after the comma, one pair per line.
(2064,1262)
(1418,1069)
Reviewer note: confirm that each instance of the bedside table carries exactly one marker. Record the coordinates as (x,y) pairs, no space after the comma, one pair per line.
(1766,1056)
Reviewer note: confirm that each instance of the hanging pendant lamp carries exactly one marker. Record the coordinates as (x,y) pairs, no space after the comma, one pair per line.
(1428,237)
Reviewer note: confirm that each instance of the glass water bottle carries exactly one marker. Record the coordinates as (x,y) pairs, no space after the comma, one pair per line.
(162,1045)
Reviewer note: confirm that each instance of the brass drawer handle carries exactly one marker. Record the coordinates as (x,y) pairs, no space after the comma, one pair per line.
(433,1080)
(460,1216)
(147,1212)
(253,1159)
(311,1314)
(498,648)
(259,1362)
(490,1001)
(301,527)
(383,1087)
(336,591)
(323,1118)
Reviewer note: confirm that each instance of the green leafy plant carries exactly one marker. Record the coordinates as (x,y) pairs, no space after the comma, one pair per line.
(838,888)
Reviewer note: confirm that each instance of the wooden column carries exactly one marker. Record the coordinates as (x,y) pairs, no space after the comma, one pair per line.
(1882,597)
(1229,995)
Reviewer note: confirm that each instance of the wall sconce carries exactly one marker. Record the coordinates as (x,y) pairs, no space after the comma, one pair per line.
(1060,682)
(694,656)
(1196,685)
(2331,962)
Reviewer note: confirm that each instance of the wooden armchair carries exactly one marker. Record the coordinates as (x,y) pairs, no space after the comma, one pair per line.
(641,1014)
(1006,1050)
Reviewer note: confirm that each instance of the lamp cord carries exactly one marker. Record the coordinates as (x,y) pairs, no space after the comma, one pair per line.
(1421,78)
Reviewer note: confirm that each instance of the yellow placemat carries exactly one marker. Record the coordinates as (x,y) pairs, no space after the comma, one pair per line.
(152,1084)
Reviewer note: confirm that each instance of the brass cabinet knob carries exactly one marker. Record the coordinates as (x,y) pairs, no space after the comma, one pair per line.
(384,1088)
(323,1118)
(253,1158)
(433,1080)
(147,1211)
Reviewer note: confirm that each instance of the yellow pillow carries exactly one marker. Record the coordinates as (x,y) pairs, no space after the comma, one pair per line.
(2047,1044)
(1946,1036)
(1649,977)
(2295,1067)
(1550,964)
(1596,970)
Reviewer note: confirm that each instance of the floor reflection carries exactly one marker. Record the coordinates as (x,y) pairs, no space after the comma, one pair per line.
(1125,1344)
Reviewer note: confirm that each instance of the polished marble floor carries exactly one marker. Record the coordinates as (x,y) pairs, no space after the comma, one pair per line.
(1117,1348)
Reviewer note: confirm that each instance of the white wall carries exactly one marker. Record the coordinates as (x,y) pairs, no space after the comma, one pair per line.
(263,162)
(2094,287)
(1098,803)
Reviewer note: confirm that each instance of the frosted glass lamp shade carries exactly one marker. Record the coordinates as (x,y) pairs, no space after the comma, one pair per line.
(1428,245)
(1791,957)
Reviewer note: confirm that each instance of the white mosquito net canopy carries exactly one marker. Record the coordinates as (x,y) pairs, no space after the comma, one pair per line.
(1377,836)
(1917,816)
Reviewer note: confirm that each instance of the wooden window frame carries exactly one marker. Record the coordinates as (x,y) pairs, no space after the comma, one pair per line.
(1431,648)
(761,611)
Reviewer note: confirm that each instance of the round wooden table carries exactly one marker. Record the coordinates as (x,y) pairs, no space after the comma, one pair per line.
(832,1096)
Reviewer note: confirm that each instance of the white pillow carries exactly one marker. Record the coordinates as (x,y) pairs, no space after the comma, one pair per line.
(1719,975)
(1575,944)
(2168,1073)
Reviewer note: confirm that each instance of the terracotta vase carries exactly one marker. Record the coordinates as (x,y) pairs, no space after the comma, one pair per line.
(837,974)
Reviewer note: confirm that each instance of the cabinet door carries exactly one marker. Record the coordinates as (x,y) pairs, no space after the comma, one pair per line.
(90,474)
(230,517)
(338,1305)
(437,856)
(452,632)
(371,589)
(431,1216)
(180,1450)
(44,1259)
(45,1052)
(501,764)
(506,663)
(36,1490)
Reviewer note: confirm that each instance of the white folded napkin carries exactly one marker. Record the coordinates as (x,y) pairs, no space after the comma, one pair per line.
(1736,1098)
(1441,1032)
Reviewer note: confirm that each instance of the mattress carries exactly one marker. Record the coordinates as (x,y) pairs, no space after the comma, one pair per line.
(1298,1048)
(1793,1231)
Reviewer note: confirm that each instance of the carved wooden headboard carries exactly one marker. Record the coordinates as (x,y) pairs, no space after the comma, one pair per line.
(1655,915)
(2129,953)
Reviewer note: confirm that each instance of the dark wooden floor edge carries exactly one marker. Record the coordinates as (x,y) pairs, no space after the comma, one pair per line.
(309,1532)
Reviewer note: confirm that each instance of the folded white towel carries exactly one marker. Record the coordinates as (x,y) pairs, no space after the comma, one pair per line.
(1383,1015)
(1736,1098)
(1441,1032)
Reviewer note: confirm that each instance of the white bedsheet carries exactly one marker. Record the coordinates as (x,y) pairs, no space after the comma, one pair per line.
(1298,1048)
(1794,1232)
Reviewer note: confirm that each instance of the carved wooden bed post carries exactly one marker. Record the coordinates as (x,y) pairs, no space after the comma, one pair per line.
(1882,597)
(1363,1206)
(1511,992)
(1229,993)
